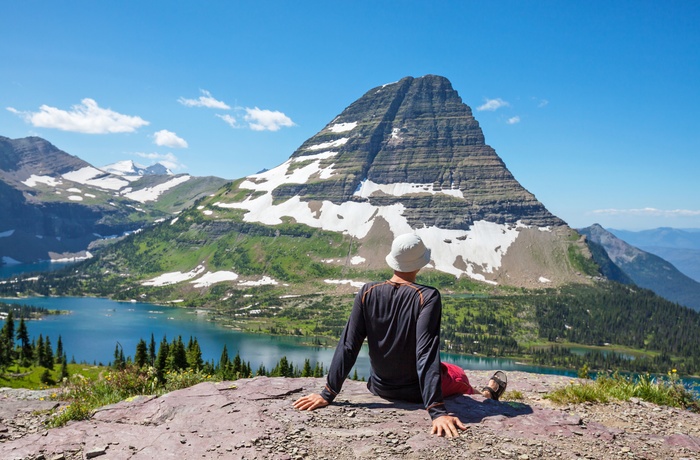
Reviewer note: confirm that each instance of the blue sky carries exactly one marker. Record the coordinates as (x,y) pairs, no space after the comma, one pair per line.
(593,105)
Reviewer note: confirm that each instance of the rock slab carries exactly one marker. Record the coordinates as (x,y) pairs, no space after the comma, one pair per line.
(254,419)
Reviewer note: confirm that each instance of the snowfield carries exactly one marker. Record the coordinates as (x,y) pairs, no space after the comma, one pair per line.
(475,252)
(33,180)
(152,193)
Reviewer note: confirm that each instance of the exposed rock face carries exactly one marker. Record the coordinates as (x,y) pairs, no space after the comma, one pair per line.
(417,131)
(254,418)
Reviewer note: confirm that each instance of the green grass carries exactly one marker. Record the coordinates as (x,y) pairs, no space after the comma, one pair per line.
(112,386)
(664,391)
(17,376)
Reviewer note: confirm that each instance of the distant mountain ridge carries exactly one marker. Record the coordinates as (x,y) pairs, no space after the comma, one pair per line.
(54,204)
(647,270)
(129,169)
(681,247)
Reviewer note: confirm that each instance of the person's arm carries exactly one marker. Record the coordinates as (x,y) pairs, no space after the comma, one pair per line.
(428,367)
(343,359)
(428,355)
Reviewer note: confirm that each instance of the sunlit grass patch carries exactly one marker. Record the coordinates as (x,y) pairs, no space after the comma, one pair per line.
(664,391)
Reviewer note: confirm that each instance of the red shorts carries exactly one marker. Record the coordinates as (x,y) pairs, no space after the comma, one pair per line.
(454,381)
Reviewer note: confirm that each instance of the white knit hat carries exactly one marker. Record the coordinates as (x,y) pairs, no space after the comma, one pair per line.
(408,253)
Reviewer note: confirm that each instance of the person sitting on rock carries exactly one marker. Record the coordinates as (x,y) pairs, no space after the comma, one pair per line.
(401,322)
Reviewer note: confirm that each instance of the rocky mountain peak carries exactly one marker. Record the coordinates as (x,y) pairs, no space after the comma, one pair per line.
(406,156)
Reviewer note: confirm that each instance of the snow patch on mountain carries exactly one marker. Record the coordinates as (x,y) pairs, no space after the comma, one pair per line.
(210,278)
(174,277)
(33,180)
(329,145)
(96,178)
(342,127)
(152,193)
(367,188)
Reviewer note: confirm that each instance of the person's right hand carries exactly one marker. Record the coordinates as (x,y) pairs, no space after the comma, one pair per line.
(310,402)
(447,425)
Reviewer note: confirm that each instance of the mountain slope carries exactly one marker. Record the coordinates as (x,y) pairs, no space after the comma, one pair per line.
(647,270)
(681,247)
(53,204)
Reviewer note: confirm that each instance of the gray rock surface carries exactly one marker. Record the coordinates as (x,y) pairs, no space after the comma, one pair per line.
(254,418)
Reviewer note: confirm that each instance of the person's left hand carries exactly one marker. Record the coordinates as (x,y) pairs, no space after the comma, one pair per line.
(310,402)
(447,425)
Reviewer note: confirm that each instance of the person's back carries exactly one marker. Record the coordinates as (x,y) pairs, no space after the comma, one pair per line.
(392,312)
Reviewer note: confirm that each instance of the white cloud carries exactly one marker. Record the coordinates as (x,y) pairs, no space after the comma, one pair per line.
(513,120)
(492,105)
(86,117)
(542,103)
(167,138)
(230,120)
(266,120)
(205,100)
(649,212)
(168,160)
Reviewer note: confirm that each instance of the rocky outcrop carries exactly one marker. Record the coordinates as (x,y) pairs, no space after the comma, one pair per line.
(254,418)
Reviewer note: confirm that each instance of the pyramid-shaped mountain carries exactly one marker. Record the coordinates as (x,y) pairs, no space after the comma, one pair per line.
(410,156)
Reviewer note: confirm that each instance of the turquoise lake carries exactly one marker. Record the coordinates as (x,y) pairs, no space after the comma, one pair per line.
(95,326)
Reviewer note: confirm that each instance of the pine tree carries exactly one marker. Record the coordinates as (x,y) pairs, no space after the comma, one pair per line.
(48,354)
(119,362)
(59,350)
(177,357)
(236,366)
(152,351)
(64,367)
(25,346)
(7,341)
(39,351)
(162,358)
(141,355)
(194,355)
(306,371)
(224,364)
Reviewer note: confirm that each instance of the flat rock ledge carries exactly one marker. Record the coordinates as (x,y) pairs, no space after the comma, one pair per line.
(254,419)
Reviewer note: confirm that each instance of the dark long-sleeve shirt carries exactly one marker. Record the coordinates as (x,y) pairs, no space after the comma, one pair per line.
(402,325)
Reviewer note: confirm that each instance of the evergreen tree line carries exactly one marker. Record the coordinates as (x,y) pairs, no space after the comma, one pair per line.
(23,311)
(175,356)
(620,315)
(16,348)
(610,361)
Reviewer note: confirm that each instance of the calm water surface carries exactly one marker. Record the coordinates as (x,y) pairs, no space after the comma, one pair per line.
(95,326)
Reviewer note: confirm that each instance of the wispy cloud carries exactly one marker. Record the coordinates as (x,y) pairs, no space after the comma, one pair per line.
(231,121)
(168,160)
(649,212)
(205,100)
(258,119)
(87,117)
(542,103)
(513,120)
(165,138)
(266,120)
(492,104)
